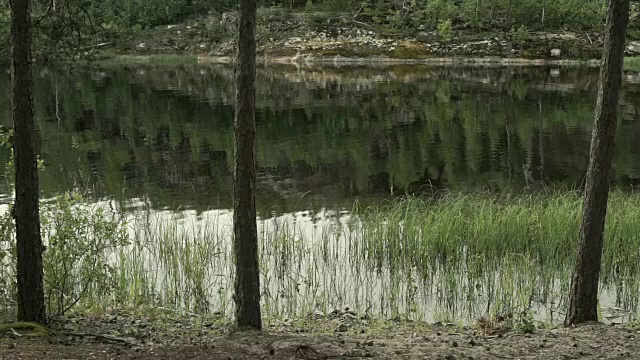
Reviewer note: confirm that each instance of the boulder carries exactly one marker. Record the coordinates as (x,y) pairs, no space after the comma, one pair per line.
(633,48)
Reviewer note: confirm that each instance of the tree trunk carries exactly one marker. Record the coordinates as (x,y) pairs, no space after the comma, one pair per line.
(28,241)
(247,282)
(583,303)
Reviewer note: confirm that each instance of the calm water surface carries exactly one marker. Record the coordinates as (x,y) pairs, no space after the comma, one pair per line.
(325,136)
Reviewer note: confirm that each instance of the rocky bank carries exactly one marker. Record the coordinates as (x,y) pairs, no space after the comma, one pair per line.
(304,36)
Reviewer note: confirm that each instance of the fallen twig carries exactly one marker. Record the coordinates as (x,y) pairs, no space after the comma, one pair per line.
(358,12)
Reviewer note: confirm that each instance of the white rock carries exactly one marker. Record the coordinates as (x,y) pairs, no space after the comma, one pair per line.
(633,48)
(556,52)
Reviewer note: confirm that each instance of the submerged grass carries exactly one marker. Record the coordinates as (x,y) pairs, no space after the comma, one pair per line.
(451,257)
(522,247)
(632,63)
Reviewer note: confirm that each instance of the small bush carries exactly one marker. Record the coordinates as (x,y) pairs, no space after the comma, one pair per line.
(525,322)
(445,31)
(80,238)
(520,36)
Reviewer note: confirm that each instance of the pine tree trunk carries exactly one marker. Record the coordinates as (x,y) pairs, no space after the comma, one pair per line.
(28,241)
(247,282)
(583,303)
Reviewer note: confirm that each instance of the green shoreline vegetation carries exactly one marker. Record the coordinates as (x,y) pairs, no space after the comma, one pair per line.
(450,257)
(202,27)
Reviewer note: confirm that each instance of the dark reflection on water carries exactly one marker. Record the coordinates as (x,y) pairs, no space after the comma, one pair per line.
(325,136)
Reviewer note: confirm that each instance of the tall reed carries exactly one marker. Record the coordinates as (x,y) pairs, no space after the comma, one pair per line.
(449,257)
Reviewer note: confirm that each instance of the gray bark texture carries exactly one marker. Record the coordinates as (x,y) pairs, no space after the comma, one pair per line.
(583,303)
(27,214)
(247,282)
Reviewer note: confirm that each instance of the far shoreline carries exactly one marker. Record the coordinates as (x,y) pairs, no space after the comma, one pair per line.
(308,60)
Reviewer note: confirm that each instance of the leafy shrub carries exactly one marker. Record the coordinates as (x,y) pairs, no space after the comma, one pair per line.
(79,239)
(437,11)
(525,322)
(445,31)
(520,36)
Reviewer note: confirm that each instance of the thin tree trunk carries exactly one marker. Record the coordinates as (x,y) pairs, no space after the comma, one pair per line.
(247,282)
(583,303)
(28,241)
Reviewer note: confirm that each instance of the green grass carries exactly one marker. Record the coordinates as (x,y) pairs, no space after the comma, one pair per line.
(451,258)
(632,63)
(517,249)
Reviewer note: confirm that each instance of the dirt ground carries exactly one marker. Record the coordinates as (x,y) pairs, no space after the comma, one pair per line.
(146,339)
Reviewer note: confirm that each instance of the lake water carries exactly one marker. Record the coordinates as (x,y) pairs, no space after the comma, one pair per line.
(324,136)
(156,142)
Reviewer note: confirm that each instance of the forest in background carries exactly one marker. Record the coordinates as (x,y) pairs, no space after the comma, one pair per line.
(66,27)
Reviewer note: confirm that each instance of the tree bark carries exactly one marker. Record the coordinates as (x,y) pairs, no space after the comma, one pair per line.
(583,303)
(27,217)
(247,282)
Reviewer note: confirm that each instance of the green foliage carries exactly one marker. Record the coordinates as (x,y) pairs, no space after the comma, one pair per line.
(309,6)
(486,14)
(474,13)
(634,16)
(524,322)
(520,36)
(82,24)
(80,237)
(5,17)
(149,13)
(535,14)
(77,270)
(445,31)
(437,11)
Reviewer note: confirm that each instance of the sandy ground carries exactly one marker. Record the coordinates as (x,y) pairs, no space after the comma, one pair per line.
(405,341)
